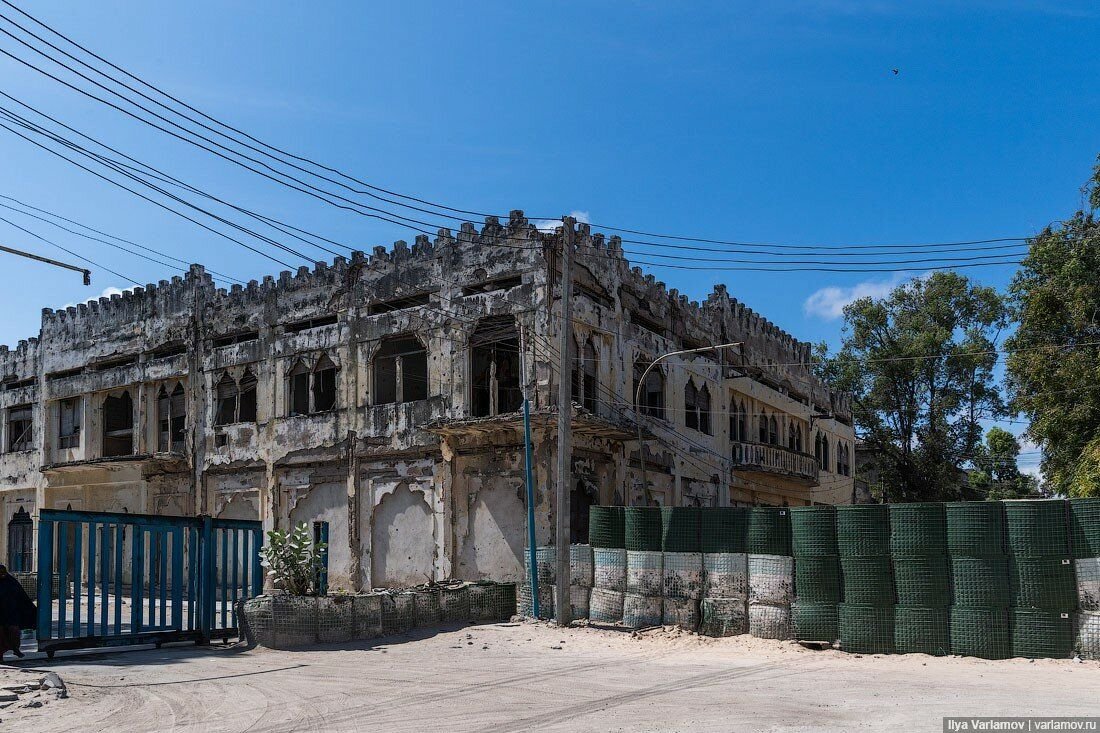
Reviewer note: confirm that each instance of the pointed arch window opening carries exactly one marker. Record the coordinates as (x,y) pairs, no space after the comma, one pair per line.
(20,542)
(495,387)
(586,375)
(400,371)
(652,402)
(171,418)
(118,425)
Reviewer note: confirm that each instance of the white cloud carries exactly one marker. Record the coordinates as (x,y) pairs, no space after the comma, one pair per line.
(549,225)
(829,302)
(107,293)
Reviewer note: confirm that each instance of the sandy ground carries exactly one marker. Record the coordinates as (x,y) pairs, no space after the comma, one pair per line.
(526,676)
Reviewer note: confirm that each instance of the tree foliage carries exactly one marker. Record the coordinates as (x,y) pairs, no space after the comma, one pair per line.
(996,473)
(1054,368)
(919,365)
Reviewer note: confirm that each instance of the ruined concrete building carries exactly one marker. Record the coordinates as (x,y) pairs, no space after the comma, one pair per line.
(382,394)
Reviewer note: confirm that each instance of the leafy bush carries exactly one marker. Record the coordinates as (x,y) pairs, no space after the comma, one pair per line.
(293,560)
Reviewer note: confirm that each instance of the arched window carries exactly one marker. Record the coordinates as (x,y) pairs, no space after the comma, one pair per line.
(298,386)
(226,390)
(773,431)
(798,438)
(118,425)
(825,453)
(246,401)
(763,422)
(20,425)
(691,407)
(737,421)
(400,371)
(703,402)
(817,448)
(324,384)
(171,418)
(20,542)
(652,401)
(790,436)
(494,360)
(589,376)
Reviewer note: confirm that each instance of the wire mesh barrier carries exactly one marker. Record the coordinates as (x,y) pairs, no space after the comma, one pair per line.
(918,530)
(609,569)
(980,582)
(922,582)
(771,579)
(1043,582)
(525,600)
(1038,633)
(427,604)
(682,612)
(644,573)
(546,564)
(455,602)
(726,575)
(1036,527)
(863,530)
(866,629)
(336,620)
(605,606)
(606,527)
(769,531)
(398,612)
(490,601)
(682,575)
(578,600)
(1086,634)
(981,632)
(581,570)
(1087,571)
(640,611)
(814,621)
(867,581)
(680,529)
(723,617)
(642,531)
(813,531)
(920,630)
(724,530)
(817,579)
(1084,527)
(769,622)
(975,529)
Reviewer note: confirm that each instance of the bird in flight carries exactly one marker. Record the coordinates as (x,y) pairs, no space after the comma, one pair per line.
(895,72)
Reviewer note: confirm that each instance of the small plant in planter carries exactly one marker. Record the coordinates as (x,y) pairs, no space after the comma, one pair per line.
(293,560)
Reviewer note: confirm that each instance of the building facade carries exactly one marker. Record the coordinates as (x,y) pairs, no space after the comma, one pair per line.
(383,394)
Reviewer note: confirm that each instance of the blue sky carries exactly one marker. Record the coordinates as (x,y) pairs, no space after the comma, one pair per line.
(781,123)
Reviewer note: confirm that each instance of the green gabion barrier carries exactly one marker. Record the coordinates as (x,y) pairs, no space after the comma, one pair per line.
(922,581)
(867,581)
(1045,582)
(918,530)
(980,582)
(981,632)
(813,531)
(863,530)
(814,621)
(866,629)
(1084,526)
(680,527)
(1036,527)
(607,527)
(817,579)
(725,529)
(975,528)
(642,528)
(1037,633)
(769,531)
(921,631)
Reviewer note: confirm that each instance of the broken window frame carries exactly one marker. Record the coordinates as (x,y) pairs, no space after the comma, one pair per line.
(585,375)
(496,386)
(406,359)
(652,401)
(69,419)
(737,421)
(226,400)
(312,390)
(20,426)
(246,397)
(171,418)
(117,423)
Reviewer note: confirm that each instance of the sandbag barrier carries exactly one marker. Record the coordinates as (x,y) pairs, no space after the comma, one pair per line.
(281,621)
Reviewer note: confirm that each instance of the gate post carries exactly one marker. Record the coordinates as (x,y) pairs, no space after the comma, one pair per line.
(45,579)
(207,571)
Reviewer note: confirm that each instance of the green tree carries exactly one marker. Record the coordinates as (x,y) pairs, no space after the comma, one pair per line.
(996,473)
(919,365)
(1054,368)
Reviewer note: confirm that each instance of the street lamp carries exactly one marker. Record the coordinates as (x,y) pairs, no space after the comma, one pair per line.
(638,397)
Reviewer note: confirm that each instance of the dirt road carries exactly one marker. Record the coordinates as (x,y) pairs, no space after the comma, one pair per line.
(519,677)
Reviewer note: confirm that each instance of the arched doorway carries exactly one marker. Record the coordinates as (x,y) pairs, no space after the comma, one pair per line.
(580,499)
(20,542)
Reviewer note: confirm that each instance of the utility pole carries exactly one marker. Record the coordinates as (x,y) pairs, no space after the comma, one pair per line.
(85,272)
(562,610)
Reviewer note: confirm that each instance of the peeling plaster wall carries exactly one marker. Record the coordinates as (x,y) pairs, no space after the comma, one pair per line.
(411,491)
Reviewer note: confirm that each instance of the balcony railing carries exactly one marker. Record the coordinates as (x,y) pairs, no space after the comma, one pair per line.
(774,459)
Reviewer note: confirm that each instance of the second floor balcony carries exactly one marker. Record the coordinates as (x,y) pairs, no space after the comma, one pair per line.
(775,460)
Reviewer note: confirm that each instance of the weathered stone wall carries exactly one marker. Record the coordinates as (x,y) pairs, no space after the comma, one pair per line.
(414,490)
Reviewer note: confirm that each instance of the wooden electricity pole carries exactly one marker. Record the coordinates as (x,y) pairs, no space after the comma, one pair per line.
(562,611)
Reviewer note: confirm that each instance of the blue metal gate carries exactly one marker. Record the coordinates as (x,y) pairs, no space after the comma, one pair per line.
(107,579)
